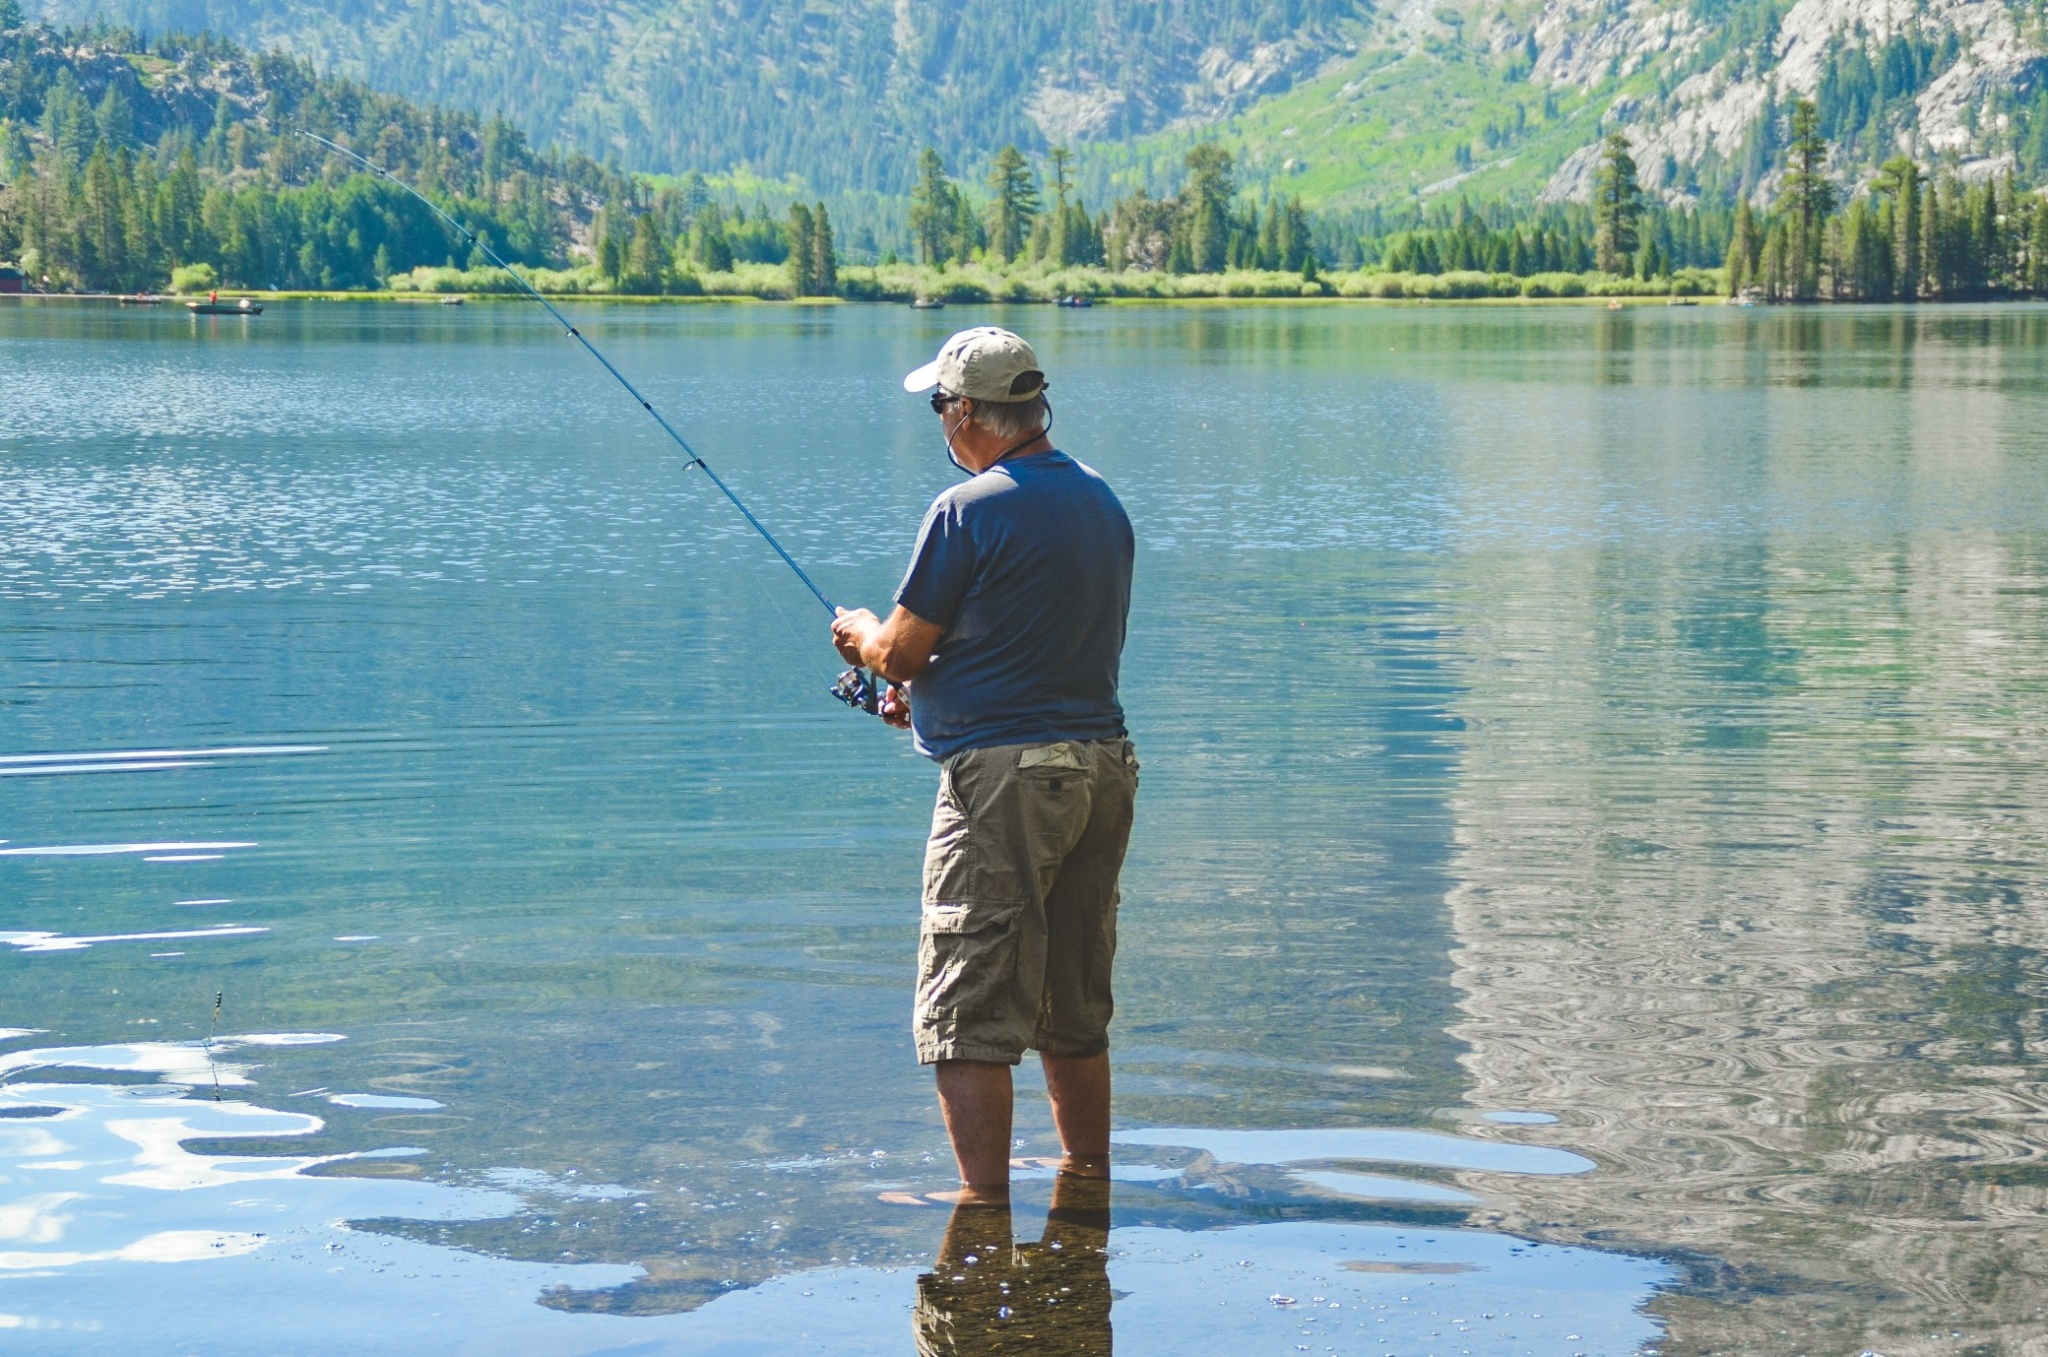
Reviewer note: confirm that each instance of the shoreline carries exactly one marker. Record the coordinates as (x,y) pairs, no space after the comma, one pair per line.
(176,302)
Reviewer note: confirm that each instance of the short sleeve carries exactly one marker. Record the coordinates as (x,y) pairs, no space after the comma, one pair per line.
(941,566)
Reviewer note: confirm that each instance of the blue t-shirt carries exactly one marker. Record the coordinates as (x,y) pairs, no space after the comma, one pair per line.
(1027,567)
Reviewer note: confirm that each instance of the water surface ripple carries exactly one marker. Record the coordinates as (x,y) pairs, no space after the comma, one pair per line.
(1591,859)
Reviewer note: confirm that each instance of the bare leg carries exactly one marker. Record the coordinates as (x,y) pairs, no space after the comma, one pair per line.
(976,1098)
(1079,1089)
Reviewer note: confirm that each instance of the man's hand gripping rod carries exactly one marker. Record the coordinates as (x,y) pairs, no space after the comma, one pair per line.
(855,687)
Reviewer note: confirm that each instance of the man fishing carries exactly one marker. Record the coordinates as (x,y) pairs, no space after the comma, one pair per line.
(1002,656)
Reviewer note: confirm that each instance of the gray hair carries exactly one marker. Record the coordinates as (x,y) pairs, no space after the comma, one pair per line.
(1012,419)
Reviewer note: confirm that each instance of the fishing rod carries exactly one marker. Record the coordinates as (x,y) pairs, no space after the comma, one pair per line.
(856,687)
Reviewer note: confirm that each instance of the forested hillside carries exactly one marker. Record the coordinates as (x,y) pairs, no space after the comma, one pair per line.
(844,94)
(121,160)
(1344,102)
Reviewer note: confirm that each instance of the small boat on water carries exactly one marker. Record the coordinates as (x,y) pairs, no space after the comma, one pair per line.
(452,301)
(141,299)
(927,304)
(234,306)
(1075,300)
(1683,301)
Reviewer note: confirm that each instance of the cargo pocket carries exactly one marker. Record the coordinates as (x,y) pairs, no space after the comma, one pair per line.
(951,870)
(967,956)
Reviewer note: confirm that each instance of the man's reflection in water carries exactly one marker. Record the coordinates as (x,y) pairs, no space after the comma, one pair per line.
(987,1295)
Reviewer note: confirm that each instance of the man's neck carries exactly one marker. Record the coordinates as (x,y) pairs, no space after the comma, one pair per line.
(996,456)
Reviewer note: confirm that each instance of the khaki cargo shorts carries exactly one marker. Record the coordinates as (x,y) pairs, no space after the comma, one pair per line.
(1020,899)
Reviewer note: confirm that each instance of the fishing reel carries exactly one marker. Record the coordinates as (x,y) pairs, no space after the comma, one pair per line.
(861,690)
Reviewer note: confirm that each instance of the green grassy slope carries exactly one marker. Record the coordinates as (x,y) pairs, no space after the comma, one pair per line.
(1389,124)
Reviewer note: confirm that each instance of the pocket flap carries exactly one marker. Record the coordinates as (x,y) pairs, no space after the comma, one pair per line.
(968,917)
(1064,754)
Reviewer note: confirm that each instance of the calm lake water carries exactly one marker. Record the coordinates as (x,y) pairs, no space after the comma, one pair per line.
(1587,896)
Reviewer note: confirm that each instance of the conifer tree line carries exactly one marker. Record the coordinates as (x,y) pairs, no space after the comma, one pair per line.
(663,242)
(1912,236)
(1205,228)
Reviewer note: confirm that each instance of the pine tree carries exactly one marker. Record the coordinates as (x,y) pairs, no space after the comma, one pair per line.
(1040,246)
(824,259)
(1809,196)
(1652,264)
(217,135)
(966,237)
(1014,205)
(1744,247)
(1778,264)
(10,15)
(934,208)
(115,120)
(1900,179)
(1205,206)
(1868,252)
(646,262)
(1179,258)
(1617,205)
(709,245)
(1294,235)
(1084,241)
(803,251)
(1933,246)
(104,238)
(1059,222)
(1987,246)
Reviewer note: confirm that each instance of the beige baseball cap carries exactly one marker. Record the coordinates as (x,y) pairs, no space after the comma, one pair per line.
(984,363)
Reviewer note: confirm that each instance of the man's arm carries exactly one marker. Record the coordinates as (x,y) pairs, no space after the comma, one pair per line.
(898,649)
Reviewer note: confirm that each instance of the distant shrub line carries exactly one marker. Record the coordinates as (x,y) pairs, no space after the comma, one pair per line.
(972,283)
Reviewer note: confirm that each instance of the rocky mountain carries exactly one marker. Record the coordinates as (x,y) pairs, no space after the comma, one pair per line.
(1503,100)
(1343,101)
(1951,82)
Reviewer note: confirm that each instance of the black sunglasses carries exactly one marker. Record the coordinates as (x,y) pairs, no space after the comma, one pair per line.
(942,399)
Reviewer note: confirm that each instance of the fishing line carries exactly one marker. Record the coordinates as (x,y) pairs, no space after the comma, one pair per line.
(211,1032)
(477,242)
